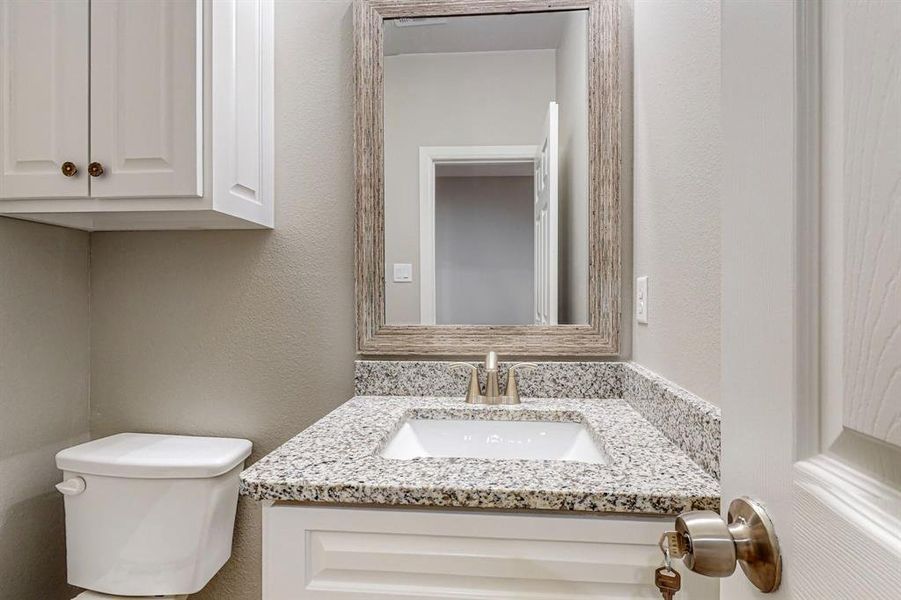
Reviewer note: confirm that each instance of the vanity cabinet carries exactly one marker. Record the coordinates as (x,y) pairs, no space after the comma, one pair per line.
(311,552)
(147,114)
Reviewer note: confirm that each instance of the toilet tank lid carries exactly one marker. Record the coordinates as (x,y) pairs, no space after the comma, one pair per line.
(155,456)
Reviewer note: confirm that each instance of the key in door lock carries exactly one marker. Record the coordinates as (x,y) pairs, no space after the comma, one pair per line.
(710,546)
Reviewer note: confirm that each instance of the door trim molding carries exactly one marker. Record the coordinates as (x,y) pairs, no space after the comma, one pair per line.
(429,158)
(807,228)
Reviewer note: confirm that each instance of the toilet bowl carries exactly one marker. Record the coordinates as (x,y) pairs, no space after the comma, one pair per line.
(149,515)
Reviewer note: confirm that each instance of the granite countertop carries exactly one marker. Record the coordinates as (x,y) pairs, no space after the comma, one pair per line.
(337,460)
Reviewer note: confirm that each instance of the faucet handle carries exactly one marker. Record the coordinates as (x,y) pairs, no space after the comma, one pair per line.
(512,391)
(472,391)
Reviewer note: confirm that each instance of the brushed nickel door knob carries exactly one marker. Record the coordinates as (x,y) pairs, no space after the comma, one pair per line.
(747,539)
(69,169)
(95,169)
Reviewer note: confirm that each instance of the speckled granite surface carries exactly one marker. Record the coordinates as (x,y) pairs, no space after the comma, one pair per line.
(337,460)
(686,420)
(435,378)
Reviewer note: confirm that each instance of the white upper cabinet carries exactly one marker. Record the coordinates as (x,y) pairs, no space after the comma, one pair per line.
(43,99)
(146,98)
(179,130)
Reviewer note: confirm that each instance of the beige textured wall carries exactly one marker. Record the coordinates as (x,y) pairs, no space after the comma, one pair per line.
(677,193)
(44,389)
(244,333)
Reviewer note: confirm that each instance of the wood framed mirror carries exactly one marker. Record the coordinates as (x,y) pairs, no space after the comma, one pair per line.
(487,166)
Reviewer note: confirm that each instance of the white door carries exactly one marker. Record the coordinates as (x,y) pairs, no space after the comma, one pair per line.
(545,270)
(43,98)
(146,97)
(812,288)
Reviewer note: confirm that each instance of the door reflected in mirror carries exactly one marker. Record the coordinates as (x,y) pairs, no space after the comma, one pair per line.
(486,169)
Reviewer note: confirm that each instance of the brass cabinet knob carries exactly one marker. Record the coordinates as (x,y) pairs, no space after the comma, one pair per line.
(69,169)
(95,169)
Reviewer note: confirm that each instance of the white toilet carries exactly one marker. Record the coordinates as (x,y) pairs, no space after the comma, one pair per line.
(149,515)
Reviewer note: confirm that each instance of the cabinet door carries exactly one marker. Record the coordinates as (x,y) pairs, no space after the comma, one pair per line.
(242,74)
(43,98)
(315,552)
(146,98)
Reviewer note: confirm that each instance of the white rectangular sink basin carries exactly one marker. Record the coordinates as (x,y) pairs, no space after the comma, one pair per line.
(530,440)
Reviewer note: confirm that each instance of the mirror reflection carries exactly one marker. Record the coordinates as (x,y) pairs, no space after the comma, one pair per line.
(486,169)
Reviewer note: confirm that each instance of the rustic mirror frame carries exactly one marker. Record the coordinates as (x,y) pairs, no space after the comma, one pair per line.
(600,337)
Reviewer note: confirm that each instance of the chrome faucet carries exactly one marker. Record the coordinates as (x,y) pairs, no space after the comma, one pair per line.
(492,393)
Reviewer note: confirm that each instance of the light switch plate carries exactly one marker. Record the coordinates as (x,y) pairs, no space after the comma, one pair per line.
(403,272)
(641,300)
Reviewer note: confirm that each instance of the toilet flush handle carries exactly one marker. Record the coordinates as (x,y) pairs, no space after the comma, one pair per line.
(71,487)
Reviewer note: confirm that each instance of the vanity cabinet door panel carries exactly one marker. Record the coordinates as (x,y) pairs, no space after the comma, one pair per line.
(146,98)
(43,98)
(319,553)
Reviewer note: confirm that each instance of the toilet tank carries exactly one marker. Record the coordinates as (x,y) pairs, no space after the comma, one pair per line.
(150,514)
